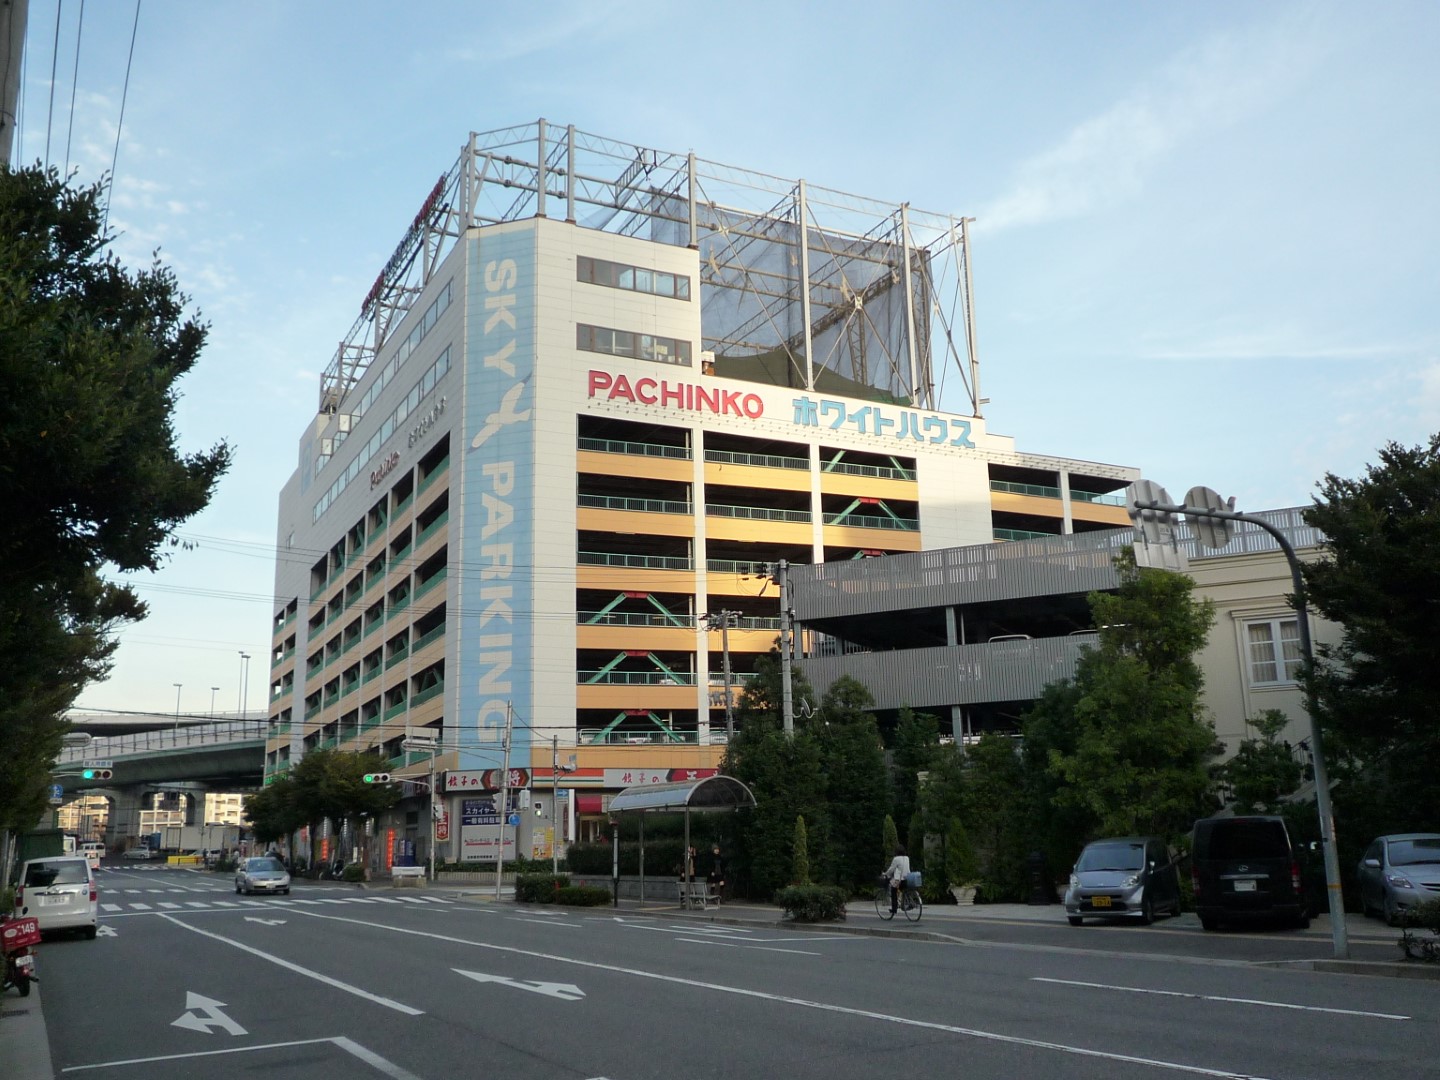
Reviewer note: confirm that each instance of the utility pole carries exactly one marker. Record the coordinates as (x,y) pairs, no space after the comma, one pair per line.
(12,54)
(724,619)
(787,635)
(504,814)
(555,805)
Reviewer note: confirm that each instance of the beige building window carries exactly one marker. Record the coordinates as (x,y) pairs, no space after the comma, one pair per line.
(1274,648)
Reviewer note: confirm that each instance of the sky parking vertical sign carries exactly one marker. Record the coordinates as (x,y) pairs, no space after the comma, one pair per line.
(496,582)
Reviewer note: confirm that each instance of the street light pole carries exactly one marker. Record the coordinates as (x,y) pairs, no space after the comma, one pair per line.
(177,708)
(1338,931)
(244,683)
(724,619)
(213,689)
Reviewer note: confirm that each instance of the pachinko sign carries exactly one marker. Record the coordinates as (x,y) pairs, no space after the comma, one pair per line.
(675,394)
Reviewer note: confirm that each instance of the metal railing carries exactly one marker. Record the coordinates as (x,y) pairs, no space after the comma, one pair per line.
(640,505)
(756,513)
(634,618)
(637,449)
(218,733)
(643,562)
(884,472)
(635,678)
(863,521)
(763,461)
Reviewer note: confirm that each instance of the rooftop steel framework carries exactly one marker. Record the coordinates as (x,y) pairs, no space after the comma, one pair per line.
(800,285)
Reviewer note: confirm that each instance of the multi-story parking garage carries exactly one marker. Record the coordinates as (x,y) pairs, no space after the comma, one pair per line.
(596,391)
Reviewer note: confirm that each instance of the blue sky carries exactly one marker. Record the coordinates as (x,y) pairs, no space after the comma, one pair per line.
(1206,237)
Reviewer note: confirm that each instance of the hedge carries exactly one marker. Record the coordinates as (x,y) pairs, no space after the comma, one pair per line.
(813,903)
(583,895)
(540,888)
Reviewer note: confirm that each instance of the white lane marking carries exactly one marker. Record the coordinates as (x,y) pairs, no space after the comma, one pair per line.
(743,945)
(821,1006)
(265,922)
(105,931)
(546,922)
(1216,997)
(327,980)
(140,907)
(389,1068)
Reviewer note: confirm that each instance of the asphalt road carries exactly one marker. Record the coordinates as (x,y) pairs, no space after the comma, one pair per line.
(189,980)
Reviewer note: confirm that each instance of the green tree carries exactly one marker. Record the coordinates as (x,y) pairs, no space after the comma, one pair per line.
(889,836)
(915,739)
(800,855)
(786,776)
(857,783)
(1264,769)
(272,812)
(1142,747)
(90,358)
(992,814)
(1377,692)
(329,785)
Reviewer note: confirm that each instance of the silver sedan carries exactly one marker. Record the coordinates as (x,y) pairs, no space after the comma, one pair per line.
(261,874)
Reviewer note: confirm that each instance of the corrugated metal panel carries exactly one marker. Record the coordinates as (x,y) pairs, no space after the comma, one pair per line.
(962,575)
(961,675)
(1001,571)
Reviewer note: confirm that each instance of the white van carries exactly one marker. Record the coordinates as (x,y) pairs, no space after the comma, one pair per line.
(94,851)
(59,891)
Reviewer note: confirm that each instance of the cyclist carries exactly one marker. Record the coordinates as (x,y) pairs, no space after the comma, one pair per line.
(897,872)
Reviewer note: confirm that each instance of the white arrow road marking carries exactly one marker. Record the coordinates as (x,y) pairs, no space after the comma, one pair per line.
(105,931)
(203,1013)
(265,922)
(563,991)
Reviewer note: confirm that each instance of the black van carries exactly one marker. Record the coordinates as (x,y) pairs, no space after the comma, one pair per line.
(1246,868)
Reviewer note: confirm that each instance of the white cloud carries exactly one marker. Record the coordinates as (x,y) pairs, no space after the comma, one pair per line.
(1106,158)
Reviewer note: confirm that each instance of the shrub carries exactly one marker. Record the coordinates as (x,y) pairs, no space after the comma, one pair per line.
(812,903)
(583,895)
(1424,916)
(662,857)
(353,872)
(540,888)
(801,858)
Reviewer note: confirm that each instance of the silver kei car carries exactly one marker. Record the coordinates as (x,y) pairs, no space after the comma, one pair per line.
(261,874)
(1398,872)
(1123,877)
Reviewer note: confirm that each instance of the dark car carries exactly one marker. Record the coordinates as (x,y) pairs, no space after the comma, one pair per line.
(1246,868)
(1399,872)
(1123,877)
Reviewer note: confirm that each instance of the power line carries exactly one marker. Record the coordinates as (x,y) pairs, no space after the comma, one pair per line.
(124,96)
(54,63)
(74,85)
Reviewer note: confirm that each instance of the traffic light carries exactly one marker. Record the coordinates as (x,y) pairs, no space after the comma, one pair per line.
(97,774)
(377,778)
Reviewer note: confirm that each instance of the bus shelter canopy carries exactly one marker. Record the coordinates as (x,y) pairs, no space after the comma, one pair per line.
(713,794)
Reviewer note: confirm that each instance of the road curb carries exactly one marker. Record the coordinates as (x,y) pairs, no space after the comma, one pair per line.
(1396,969)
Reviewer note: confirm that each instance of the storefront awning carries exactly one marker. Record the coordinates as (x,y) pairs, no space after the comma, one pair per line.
(589,803)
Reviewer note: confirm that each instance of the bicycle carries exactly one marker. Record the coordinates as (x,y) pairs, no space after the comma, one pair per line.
(910,903)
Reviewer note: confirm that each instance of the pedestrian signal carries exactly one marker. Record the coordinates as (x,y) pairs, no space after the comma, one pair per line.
(377,778)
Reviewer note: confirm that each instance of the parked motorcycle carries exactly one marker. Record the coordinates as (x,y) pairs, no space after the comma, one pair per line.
(18,938)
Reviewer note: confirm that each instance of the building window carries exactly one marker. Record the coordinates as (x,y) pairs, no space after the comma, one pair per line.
(661,350)
(1274,651)
(633,278)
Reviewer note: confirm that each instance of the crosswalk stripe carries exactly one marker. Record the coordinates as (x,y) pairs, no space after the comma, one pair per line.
(109,907)
(386,900)
(226,903)
(411,899)
(172,907)
(140,907)
(197,903)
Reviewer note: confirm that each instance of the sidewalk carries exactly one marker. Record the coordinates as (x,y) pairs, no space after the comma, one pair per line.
(24,1044)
